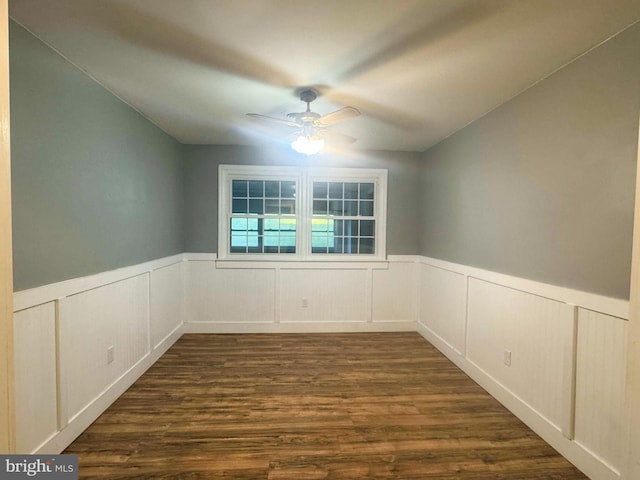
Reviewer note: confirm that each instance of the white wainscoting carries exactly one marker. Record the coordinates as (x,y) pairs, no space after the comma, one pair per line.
(35,374)
(566,378)
(537,332)
(240,297)
(113,316)
(600,381)
(64,376)
(567,354)
(395,292)
(443,297)
(167,293)
(229,296)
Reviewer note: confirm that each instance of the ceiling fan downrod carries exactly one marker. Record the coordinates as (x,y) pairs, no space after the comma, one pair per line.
(308,96)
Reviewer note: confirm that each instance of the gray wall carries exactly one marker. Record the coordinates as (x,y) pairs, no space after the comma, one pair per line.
(543,187)
(95,185)
(201,189)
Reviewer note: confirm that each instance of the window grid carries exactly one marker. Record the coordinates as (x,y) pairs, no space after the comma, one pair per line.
(338,226)
(263,216)
(267,211)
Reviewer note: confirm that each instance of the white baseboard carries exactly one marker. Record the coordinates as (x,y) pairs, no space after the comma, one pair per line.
(59,441)
(298,327)
(572,451)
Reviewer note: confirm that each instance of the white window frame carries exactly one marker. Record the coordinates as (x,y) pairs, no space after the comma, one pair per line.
(304,176)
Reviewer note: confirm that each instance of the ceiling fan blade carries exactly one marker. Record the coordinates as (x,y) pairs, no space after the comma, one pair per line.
(168,37)
(281,121)
(423,35)
(384,113)
(338,116)
(337,138)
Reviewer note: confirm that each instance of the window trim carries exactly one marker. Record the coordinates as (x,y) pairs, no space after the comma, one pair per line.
(304,176)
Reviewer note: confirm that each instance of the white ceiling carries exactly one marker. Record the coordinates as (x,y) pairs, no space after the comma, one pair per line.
(418,70)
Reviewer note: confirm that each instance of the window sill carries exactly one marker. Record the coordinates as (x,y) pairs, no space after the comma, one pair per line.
(305,264)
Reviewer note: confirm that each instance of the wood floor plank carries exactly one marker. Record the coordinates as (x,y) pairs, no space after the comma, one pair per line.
(307,406)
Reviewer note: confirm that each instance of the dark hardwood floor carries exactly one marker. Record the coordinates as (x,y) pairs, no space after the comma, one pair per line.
(311,406)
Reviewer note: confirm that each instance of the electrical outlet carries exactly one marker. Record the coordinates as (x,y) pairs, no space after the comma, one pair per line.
(305,302)
(507,358)
(110,354)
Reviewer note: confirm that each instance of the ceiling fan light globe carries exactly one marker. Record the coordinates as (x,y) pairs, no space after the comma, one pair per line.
(308,145)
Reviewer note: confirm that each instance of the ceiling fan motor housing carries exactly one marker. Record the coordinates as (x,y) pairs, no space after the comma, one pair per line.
(308,96)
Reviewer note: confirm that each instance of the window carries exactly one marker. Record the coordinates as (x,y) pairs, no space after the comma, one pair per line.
(301,213)
(263,216)
(343,218)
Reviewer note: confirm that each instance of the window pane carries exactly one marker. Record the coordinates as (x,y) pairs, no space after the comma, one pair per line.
(287,241)
(255,206)
(271,241)
(350,245)
(351,227)
(252,239)
(288,189)
(288,225)
(335,190)
(338,227)
(238,240)
(367,227)
(239,224)
(239,206)
(287,207)
(319,207)
(271,225)
(366,191)
(351,190)
(366,208)
(287,249)
(367,245)
(272,206)
(252,224)
(256,188)
(320,190)
(336,247)
(351,208)
(335,207)
(272,189)
(239,188)
(320,224)
(319,239)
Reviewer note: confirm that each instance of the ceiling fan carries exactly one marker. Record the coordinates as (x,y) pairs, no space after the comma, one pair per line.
(311,127)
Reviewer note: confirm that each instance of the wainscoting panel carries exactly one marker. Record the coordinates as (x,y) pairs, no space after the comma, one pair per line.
(395,293)
(229,295)
(36,376)
(167,301)
(113,316)
(306,296)
(443,297)
(600,382)
(536,332)
(338,295)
